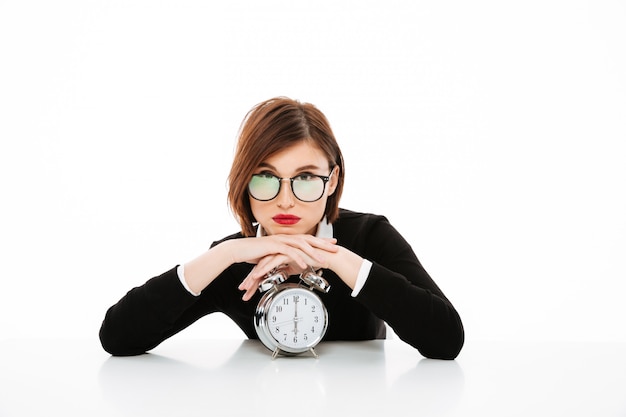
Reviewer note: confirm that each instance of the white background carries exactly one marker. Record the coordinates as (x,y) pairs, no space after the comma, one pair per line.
(492,135)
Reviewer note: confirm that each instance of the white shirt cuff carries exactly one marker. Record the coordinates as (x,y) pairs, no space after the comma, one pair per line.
(364,272)
(181,276)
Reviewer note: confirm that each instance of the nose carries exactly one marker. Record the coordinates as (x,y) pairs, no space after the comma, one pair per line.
(285,198)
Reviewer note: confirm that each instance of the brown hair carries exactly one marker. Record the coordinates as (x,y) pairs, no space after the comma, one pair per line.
(270,127)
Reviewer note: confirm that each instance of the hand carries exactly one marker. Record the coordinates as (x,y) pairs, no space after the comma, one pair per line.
(293,253)
(299,249)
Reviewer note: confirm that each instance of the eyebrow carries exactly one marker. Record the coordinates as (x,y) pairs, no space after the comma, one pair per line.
(302,168)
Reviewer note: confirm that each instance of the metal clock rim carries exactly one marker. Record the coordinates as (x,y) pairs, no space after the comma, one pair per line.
(260,320)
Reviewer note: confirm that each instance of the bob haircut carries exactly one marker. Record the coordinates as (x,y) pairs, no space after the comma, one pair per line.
(270,127)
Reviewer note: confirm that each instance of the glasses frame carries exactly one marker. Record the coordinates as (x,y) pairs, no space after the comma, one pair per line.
(324,178)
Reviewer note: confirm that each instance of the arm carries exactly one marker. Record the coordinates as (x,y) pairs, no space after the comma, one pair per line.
(147,315)
(161,307)
(400,292)
(153,312)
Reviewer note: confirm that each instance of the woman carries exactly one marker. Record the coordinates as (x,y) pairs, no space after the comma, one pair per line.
(285,184)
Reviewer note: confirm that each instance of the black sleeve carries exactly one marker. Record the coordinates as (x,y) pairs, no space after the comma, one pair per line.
(399,291)
(149,314)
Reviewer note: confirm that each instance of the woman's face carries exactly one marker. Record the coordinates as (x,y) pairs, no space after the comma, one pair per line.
(285,214)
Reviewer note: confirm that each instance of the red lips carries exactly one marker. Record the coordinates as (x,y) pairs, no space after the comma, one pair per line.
(286,219)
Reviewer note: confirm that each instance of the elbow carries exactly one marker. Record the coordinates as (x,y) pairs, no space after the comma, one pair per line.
(444,343)
(444,351)
(441,340)
(115,345)
(445,334)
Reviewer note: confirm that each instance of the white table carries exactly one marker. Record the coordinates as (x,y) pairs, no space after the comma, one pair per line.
(234,378)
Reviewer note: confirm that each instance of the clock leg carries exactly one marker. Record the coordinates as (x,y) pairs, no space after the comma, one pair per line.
(276,351)
(314,354)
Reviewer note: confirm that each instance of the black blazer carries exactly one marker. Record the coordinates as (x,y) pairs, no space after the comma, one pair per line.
(398,291)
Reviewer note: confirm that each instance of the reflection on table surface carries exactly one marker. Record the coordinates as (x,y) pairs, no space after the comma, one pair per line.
(241,376)
(235,377)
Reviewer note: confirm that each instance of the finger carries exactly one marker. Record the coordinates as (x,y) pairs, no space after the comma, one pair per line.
(300,252)
(331,244)
(327,244)
(249,286)
(245,283)
(248,294)
(312,246)
(289,254)
(261,269)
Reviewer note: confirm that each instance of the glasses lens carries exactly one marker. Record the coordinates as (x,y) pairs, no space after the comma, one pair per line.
(308,187)
(263,187)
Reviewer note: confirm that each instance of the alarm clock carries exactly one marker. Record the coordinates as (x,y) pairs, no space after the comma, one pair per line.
(291,318)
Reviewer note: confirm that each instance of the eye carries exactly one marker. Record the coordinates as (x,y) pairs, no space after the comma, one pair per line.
(306,177)
(265,175)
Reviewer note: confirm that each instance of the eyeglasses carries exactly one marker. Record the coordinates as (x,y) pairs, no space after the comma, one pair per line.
(305,187)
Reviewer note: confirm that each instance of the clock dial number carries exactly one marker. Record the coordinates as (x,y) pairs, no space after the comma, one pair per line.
(289,322)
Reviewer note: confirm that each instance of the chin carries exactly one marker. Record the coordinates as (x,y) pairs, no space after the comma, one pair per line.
(290,230)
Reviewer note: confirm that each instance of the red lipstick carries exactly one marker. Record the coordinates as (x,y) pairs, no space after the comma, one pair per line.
(286,219)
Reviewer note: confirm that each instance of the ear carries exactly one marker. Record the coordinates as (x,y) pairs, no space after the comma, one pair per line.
(334,180)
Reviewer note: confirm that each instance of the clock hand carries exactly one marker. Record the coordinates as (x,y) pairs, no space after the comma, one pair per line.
(293,320)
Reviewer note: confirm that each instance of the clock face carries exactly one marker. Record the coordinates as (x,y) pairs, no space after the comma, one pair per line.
(296,318)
